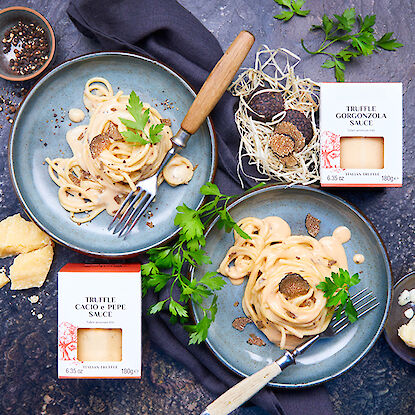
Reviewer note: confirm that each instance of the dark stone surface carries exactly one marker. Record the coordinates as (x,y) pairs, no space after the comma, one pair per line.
(380,384)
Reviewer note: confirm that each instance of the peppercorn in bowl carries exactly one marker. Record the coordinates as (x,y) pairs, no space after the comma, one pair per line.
(27,43)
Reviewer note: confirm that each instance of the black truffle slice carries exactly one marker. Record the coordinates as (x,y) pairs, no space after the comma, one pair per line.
(241,322)
(292,131)
(255,340)
(264,104)
(289,161)
(98,144)
(112,131)
(293,285)
(302,123)
(281,144)
(312,224)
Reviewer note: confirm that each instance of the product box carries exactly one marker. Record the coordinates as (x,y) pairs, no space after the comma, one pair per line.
(99,321)
(361,134)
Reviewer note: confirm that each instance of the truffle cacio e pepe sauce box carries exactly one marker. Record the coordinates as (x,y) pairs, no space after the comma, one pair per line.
(361,134)
(99,321)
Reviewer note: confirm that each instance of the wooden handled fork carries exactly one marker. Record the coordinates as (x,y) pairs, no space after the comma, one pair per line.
(364,301)
(210,93)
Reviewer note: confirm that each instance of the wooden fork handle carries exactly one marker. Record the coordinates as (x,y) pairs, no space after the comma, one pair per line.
(242,391)
(217,82)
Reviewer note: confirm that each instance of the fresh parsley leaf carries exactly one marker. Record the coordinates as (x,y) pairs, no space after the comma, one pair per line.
(336,290)
(198,332)
(366,23)
(212,280)
(284,15)
(328,64)
(350,311)
(210,189)
(356,32)
(136,129)
(149,268)
(327,24)
(154,133)
(364,43)
(294,7)
(297,5)
(386,42)
(286,3)
(168,265)
(190,222)
(176,308)
(157,307)
(157,281)
(347,20)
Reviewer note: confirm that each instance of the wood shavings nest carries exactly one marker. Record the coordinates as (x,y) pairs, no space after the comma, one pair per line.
(276,120)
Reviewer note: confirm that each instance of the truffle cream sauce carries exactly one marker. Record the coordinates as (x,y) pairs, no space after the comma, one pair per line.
(299,254)
(76,115)
(358,259)
(100,115)
(75,138)
(178,171)
(330,247)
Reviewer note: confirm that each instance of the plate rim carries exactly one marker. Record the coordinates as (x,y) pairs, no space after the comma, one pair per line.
(53,72)
(356,210)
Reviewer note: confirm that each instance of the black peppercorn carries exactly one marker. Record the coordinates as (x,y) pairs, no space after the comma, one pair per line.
(31,47)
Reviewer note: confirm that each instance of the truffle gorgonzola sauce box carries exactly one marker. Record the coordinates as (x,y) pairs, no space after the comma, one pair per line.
(99,321)
(361,134)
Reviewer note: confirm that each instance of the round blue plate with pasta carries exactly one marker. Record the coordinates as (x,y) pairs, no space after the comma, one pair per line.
(327,358)
(39,133)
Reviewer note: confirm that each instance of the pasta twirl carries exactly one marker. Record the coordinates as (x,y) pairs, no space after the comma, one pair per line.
(104,167)
(274,260)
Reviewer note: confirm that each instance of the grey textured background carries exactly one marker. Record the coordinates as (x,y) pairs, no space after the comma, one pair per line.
(380,384)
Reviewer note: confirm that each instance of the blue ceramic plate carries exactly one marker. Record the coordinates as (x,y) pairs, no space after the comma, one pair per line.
(328,357)
(38,134)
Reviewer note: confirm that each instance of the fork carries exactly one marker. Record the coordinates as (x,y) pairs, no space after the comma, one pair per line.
(364,301)
(136,202)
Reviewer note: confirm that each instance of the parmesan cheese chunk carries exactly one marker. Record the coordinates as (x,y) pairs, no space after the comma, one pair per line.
(29,270)
(19,236)
(3,278)
(100,345)
(407,333)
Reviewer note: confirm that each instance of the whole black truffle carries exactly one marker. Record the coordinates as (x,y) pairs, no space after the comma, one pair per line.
(293,285)
(264,104)
(302,123)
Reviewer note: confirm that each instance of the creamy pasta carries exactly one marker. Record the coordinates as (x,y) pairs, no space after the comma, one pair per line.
(104,167)
(283,270)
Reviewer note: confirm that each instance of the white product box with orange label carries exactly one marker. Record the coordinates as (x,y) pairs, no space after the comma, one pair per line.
(99,321)
(361,134)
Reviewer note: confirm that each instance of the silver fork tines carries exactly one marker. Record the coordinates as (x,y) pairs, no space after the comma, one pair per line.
(136,202)
(363,301)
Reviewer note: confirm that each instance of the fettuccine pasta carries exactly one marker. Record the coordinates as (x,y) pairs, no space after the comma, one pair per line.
(283,270)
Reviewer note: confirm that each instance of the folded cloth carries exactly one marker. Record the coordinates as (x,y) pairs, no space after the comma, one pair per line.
(164,30)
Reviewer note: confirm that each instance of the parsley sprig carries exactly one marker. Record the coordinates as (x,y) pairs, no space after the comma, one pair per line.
(136,129)
(336,290)
(169,264)
(356,33)
(294,7)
